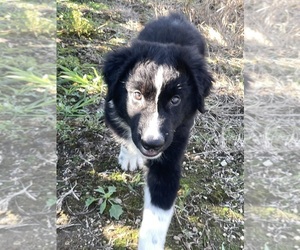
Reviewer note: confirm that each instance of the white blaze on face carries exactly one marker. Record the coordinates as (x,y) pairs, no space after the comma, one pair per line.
(153,126)
(159,78)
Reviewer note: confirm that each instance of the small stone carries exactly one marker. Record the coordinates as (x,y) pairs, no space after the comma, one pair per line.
(176,238)
(223,163)
(267,163)
(197,158)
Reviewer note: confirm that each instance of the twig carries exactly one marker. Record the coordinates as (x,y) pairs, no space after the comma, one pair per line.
(63,196)
(80,213)
(5,202)
(68,225)
(16,226)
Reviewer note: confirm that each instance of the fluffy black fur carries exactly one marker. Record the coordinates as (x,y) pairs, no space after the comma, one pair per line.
(175,45)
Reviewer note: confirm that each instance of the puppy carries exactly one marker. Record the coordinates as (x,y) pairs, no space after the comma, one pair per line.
(155,87)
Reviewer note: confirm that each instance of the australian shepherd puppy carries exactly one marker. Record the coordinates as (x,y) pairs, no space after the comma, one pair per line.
(155,87)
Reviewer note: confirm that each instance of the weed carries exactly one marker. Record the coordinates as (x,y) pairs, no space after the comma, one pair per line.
(92,83)
(95,5)
(73,107)
(184,193)
(63,129)
(137,180)
(35,97)
(115,210)
(85,90)
(68,61)
(45,81)
(72,22)
(36,24)
(26,20)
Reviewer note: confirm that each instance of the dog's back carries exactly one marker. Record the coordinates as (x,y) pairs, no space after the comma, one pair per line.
(174,28)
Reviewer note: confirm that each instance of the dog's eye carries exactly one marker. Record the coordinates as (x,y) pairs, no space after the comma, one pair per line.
(175,100)
(137,95)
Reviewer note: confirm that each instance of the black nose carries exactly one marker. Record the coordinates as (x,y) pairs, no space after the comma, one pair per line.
(151,143)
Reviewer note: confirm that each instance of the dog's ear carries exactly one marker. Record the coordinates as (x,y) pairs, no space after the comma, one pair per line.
(115,64)
(195,66)
(203,80)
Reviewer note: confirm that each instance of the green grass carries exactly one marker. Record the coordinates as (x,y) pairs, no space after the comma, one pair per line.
(28,84)
(26,93)
(77,91)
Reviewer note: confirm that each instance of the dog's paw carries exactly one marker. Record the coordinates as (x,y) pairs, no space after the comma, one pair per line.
(130,159)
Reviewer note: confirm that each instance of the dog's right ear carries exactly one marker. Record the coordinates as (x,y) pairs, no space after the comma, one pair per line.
(115,65)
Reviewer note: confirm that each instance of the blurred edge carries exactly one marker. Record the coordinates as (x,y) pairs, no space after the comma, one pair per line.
(27,124)
(272,101)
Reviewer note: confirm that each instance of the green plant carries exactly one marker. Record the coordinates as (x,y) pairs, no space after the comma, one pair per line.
(74,107)
(136,181)
(45,81)
(28,19)
(27,92)
(106,199)
(84,90)
(68,61)
(73,22)
(92,82)
(37,24)
(184,192)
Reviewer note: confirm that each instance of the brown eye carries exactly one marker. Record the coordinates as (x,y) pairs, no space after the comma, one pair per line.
(137,95)
(175,100)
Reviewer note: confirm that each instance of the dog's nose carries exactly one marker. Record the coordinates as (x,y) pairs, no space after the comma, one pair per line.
(151,143)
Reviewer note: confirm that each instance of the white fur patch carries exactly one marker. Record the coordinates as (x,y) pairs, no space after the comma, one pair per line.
(159,79)
(153,127)
(155,225)
(130,158)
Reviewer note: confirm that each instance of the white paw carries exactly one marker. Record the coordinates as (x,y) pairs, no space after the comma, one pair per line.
(130,159)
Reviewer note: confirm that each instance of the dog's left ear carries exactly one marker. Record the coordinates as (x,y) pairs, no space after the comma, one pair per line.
(203,80)
(193,63)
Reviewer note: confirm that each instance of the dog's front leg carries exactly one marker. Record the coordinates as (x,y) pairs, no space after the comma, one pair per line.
(155,225)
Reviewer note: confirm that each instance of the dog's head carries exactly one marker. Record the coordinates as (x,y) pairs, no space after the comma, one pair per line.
(156,89)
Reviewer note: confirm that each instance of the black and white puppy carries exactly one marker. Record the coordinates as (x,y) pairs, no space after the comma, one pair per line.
(155,87)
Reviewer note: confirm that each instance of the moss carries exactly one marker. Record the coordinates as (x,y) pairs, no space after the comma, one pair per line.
(271,212)
(123,236)
(226,213)
(191,182)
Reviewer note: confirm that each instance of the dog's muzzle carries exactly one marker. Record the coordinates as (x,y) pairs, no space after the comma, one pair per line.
(151,146)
